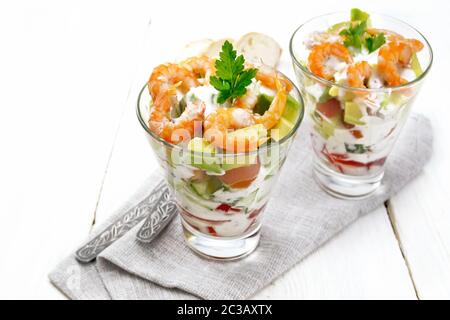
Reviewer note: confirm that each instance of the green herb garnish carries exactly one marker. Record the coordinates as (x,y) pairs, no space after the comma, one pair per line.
(354,35)
(356,148)
(231,80)
(374,42)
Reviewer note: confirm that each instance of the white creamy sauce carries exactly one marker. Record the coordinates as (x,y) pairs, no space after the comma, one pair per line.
(320,37)
(207,94)
(364,55)
(375,81)
(334,65)
(408,74)
(316,90)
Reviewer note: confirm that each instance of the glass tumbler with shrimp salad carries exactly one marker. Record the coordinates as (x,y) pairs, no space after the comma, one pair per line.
(359,75)
(221,135)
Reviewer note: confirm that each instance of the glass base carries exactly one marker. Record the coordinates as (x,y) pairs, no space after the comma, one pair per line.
(220,248)
(345,186)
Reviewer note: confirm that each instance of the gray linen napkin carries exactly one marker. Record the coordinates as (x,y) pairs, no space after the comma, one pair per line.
(299,218)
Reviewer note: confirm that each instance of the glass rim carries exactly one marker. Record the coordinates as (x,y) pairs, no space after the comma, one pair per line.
(346,87)
(221,154)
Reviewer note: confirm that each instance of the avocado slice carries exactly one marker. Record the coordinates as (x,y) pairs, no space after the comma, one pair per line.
(415,65)
(353,114)
(395,98)
(288,119)
(327,126)
(358,15)
(325,96)
(202,156)
(334,91)
(338,26)
(262,103)
(205,188)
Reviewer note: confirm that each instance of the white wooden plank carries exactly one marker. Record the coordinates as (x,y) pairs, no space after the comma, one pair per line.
(348,267)
(421,212)
(362,262)
(52,169)
(64,81)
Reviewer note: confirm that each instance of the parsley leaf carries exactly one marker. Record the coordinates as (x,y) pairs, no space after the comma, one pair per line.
(231,80)
(354,35)
(374,42)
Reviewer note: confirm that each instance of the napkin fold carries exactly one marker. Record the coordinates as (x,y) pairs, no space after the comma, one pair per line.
(299,218)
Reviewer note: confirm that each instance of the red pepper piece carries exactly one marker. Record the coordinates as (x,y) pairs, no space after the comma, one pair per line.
(212,231)
(226,207)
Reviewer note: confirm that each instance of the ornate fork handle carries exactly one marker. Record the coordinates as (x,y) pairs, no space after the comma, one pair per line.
(157,206)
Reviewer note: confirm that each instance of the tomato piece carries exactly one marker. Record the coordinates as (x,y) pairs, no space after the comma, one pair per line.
(242,184)
(212,231)
(357,134)
(338,159)
(241,174)
(226,207)
(329,108)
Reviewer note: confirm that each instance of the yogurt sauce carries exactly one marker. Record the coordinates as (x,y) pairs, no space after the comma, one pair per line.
(207,94)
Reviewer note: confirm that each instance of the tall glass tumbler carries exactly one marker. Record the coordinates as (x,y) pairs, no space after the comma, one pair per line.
(349,159)
(221,196)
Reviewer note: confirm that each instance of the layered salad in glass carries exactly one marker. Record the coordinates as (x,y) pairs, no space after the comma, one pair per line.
(221,128)
(358,81)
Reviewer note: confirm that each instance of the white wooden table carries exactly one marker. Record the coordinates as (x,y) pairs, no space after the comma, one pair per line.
(72,150)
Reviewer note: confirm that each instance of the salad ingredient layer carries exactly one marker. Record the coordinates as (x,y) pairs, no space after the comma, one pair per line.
(220,110)
(352,52)
(354,130)
(216,99)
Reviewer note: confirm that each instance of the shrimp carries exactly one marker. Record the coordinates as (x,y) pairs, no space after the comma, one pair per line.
(163,84)
(396,54)
(272,116)
(165,76)
(218,123)
(320,54)
(269,80)
(390,35)
(358,74)
(176,130)
(202,67)
(250,98)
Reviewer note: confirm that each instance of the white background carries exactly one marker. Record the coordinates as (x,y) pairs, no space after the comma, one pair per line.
(70,146)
